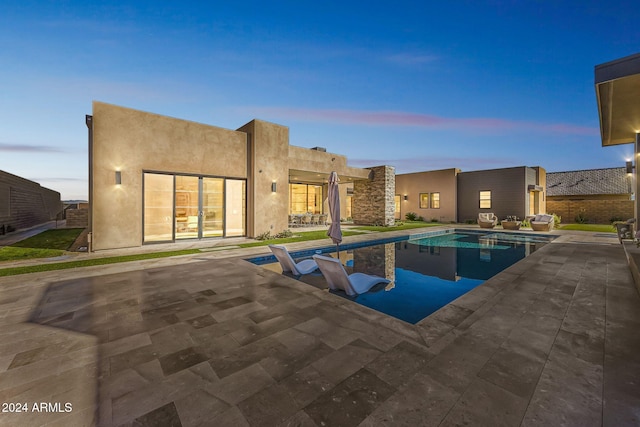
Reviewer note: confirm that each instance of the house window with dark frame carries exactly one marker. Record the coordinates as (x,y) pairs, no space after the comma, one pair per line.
(424,200)
(435,200)
(485,199)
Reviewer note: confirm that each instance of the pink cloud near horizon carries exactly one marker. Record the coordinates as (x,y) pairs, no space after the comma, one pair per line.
(421,163)
(398,118)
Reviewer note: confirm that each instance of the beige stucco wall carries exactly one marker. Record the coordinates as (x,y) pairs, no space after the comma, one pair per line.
(269,152)
(132,141)
(439,181)
(270,159)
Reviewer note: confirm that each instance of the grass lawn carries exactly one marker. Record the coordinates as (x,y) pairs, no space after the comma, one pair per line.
(51,239)
(10,253)
(90,262)
(299,237)
(50,243)
(598,228)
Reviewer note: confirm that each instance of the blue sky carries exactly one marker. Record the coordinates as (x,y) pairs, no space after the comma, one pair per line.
(419,85)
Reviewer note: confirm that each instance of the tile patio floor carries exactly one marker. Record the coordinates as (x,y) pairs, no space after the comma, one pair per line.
(212,341)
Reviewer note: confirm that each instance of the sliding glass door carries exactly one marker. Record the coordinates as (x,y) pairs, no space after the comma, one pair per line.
(212,207)
(158,207)
(235,202)
(187,218)
(192,207)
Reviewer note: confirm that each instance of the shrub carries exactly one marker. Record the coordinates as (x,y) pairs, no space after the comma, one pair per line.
(411,216)
(470,221)
(283,234)
(264,236)
(581,218)
(557,219)
(10,228)
(434,219)
(615,219)
(420,219)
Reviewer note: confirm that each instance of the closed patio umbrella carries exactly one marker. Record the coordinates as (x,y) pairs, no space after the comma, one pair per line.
(334,209)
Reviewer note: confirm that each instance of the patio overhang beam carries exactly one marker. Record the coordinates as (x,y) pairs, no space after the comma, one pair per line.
(617,85)
(535,188)
(314,177)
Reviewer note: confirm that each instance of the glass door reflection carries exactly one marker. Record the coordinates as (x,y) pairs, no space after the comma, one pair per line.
(158,207)
(235,205)
(212,207)
(187,217)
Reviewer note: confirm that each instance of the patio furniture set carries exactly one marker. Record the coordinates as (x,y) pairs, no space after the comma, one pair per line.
(307,220)
(541,222)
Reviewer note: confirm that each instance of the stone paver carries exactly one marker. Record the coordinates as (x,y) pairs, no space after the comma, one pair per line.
(212,340)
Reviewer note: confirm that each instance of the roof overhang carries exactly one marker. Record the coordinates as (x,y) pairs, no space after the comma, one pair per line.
(314,177)
(618,94)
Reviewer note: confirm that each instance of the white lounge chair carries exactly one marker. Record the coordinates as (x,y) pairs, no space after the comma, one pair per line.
(338,279)
(289,265)
(487,220)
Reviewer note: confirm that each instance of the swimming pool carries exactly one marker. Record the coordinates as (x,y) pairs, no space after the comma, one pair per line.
(427,272)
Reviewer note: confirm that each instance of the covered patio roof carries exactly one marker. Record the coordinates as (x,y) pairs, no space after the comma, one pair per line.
(618,94)
(313,177)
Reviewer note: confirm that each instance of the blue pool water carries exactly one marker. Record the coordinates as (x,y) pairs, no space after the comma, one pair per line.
(427,273)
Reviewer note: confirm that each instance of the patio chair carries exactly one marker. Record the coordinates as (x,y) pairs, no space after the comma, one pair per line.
(487,220)
(542,222)
(323,219)
(289,265)
(306,220)
(338,279)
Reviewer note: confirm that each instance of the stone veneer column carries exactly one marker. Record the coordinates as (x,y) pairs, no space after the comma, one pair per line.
(373,199)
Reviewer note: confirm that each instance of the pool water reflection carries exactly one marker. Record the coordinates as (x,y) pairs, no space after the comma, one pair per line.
(429,273)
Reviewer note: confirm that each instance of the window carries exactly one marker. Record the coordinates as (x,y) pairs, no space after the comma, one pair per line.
(304,198)
(435,200)
(424,200)
(485,200)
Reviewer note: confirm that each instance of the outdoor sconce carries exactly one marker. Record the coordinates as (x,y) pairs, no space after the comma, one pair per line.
(118,177)
(274,187)
(630,167)
(406,197)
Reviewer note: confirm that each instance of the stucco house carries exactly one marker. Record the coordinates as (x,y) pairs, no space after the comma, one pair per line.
(156,179)
(432,195)
(450,195)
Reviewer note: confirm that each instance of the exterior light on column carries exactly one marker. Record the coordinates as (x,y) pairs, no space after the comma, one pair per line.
(406,197)
(630,167)
(274,187)
(118,178)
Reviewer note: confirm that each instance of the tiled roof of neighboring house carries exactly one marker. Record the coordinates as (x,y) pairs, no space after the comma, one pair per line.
(587,182)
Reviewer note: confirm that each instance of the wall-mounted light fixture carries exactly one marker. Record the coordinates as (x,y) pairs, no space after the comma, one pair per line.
(118,177)
(274,187)
(406,197)
(630,166)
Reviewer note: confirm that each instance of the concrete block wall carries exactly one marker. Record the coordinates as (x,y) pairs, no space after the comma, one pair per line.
(25,203)
(373,199)
(77,218)
(596,211)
